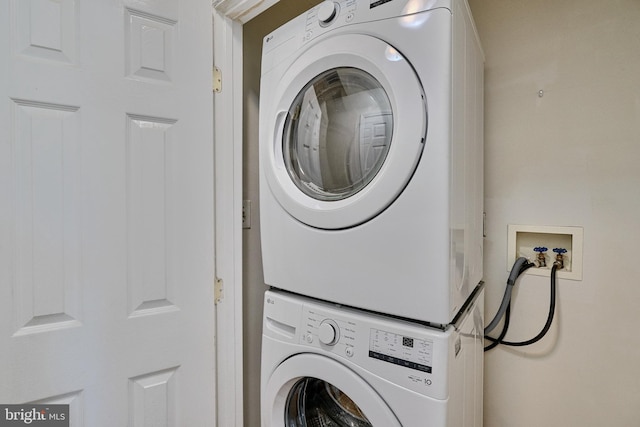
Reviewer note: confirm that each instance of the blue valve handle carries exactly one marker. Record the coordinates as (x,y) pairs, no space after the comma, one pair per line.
(540,249)
(559,250)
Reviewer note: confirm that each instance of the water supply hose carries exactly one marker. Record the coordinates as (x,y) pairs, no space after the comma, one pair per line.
(507,309)
(547,325)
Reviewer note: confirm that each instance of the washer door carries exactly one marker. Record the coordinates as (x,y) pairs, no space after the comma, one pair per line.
(348,131)
(308,390)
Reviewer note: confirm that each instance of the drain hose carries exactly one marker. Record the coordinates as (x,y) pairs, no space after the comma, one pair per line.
(518,268)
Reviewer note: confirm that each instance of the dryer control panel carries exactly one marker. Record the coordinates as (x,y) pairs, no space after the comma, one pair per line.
(327,14)
(332,14)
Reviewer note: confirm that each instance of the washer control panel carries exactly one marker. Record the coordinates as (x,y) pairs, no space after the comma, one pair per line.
(397,349)
(407,354)
(329,332)
(413,353)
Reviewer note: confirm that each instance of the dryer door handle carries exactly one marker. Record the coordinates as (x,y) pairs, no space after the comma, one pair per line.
(278,155)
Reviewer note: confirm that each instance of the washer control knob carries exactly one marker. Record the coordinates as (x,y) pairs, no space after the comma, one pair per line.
(327,11)
(328,332)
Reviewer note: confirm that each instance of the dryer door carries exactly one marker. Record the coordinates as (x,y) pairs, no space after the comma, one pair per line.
(348,131)
(308,390)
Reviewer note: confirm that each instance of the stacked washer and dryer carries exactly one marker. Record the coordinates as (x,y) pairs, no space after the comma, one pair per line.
(371,200)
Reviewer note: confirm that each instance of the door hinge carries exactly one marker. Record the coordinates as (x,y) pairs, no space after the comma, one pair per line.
(217,80)
(218,289)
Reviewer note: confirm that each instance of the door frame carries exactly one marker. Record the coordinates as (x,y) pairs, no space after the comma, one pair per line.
(228,222)
(228,17)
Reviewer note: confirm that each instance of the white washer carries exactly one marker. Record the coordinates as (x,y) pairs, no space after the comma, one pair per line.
(326,365)
(371,156)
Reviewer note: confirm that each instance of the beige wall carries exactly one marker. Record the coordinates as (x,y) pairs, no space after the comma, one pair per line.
(571,157)
(254,286)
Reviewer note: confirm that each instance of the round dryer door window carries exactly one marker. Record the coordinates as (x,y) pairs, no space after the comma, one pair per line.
(345,133)
(337,134)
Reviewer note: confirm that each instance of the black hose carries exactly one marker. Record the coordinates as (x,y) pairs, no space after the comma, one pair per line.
(547,325)
(552,308)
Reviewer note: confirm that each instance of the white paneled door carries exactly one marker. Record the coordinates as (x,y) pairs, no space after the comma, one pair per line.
(106,210)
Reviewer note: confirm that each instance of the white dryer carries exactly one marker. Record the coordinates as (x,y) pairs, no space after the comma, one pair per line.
(371,156)
(326,365)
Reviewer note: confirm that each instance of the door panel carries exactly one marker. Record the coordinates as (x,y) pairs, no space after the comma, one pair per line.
(106,210)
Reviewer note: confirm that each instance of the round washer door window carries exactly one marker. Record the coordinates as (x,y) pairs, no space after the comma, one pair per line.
(344,133)
(309,390)
(314,402)
(337,133)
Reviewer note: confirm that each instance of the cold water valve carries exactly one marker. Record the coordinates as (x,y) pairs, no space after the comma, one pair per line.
(559,262)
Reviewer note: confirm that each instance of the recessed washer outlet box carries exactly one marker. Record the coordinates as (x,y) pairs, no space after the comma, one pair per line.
(522,239)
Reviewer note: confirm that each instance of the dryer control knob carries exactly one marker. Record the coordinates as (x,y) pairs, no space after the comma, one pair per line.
(327,11)
(328,332)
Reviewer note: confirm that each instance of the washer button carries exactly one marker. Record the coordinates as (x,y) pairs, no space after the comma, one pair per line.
(349,351)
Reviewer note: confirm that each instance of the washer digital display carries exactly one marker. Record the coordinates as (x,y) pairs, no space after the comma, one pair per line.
(376,3)
(404,351)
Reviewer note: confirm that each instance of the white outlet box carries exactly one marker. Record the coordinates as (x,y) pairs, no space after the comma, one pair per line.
(522,239)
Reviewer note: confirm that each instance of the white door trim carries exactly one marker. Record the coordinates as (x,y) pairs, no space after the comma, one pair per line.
(228,17)
(227,53)
(242,10)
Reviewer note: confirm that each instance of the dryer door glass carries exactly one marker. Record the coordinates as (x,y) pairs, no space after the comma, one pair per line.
(337,133)
(316,403)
